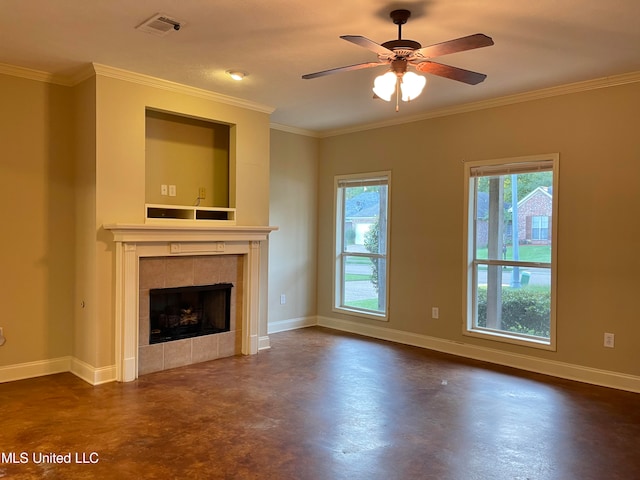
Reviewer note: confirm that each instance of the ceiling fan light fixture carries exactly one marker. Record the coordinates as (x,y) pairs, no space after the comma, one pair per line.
(412,86)
(236,74)
(385,85)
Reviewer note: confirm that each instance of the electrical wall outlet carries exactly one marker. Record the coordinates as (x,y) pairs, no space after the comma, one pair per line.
(2,339)
(202,193)
(435,312)
(609,340)
(283,299)
(172,190)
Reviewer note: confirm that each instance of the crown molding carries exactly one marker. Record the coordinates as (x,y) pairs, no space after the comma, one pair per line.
(31,74)
(577,87)
(98,69)
(295,130)
(117,73)
(149,81)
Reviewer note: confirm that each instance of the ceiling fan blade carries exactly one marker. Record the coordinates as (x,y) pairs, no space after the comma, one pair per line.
(470,42)
(368,44)
(357,66)
(453,73)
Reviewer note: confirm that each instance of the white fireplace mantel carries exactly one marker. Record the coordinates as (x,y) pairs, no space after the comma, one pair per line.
(138,233)
(149,240)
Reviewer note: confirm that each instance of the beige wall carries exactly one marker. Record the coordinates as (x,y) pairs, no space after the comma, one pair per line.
(594,132)
(293,206)
(37,211)
(190,154)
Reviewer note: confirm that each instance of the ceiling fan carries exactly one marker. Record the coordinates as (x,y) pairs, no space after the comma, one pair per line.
(401,53)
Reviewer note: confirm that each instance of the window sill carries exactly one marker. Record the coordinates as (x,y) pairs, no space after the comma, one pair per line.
(504,337)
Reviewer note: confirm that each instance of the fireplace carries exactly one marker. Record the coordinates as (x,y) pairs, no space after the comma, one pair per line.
(190,309)
(185,312)
(147,257)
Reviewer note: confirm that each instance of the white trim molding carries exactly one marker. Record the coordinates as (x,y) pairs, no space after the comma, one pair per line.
(92,375)
(155,82)
(264,343)
(90,69)
(292,324)
(294,130)
(604,378)
(69,364)
(39,368)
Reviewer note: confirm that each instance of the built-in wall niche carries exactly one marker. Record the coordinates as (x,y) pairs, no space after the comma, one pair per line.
(187,169)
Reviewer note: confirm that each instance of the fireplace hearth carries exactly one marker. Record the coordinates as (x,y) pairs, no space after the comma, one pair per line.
(185,312)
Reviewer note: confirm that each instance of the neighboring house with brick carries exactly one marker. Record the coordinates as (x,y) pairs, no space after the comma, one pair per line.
(534,217)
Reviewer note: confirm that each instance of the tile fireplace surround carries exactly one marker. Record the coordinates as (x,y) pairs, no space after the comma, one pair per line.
(188,271)
(136,242)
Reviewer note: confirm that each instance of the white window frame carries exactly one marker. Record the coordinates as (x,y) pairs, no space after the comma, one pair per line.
(372,178)
(514,165)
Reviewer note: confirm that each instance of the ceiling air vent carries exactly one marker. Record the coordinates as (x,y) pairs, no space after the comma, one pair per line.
(160,24)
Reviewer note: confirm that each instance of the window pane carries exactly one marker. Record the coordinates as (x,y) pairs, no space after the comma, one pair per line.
(513,300)
(516,206)
(363,283)
(364,218)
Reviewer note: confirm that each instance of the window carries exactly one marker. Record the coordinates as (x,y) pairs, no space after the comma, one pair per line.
(362,233)
(540,228)
(511,249)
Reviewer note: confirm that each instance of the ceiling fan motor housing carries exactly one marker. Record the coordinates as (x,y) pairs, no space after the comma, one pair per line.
(401,45)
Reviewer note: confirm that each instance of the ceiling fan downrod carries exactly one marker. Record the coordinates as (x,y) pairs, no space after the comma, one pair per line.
(401,46)
(400,17)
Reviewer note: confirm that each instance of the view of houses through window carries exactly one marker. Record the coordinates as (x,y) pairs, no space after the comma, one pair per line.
(361,243)
(511,242)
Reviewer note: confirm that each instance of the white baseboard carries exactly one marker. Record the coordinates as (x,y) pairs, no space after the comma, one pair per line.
(264,343)
(21,371)
(292,324)
(569,371)
(92,375)
(86,372)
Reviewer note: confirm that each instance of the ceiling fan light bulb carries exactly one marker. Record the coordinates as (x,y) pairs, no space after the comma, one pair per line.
(411,86)
(385,85)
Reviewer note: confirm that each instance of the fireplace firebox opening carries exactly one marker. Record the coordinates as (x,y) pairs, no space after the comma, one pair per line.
(184,312)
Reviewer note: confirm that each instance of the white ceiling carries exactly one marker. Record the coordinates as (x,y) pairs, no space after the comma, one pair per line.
(538,44)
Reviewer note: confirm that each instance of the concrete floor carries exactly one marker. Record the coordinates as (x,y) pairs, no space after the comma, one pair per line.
(321,405)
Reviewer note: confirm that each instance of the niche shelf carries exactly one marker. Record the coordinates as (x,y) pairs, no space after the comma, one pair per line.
(156,213)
